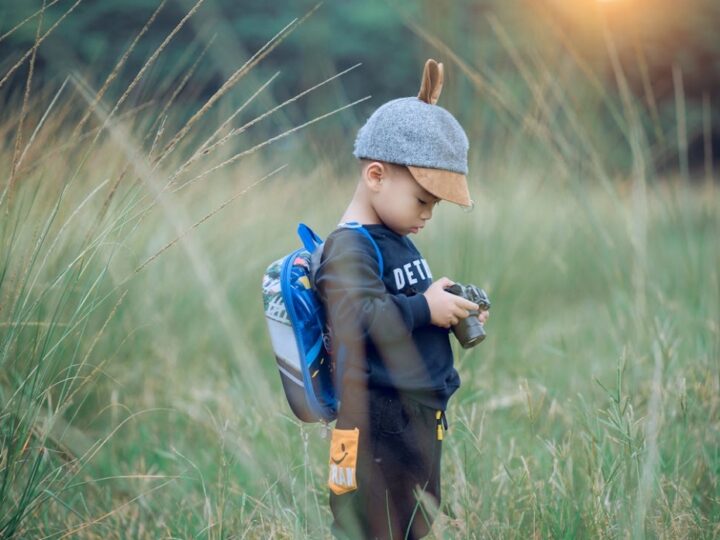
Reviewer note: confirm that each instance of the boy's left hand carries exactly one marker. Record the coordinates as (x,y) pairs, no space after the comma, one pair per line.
(483,316)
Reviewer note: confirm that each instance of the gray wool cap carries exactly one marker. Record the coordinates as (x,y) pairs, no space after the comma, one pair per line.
(408,131)
(427,139)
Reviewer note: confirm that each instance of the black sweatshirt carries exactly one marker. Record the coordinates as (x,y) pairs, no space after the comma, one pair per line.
(385,324)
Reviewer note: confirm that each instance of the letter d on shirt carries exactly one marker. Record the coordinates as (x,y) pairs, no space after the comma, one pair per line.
(399,278)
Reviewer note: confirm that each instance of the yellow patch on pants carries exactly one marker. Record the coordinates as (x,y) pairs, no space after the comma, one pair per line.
(343,460)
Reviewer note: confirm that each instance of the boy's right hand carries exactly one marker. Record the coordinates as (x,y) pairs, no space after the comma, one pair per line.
(446,309)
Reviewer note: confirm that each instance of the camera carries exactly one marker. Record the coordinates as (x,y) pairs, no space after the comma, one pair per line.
(469,332)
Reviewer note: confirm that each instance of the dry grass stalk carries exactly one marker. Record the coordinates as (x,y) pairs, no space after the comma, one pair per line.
(158,133)
(648,90)
(40,12)
(56,240)
(146,66)
(550,21)
(550,136)
(114,73)
(267,142)
(208,216)
(481,83)
(95,521)
(45,35)
(244,128)
(145,210)
(41,122)
(52,152)
(178,88)
(92,230)
(707,144)
(230,118)
(23,112)
(232,80)
(681,116)
(205,149)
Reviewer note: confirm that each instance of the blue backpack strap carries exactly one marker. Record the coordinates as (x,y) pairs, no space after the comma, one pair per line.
(309,239)
(359,227)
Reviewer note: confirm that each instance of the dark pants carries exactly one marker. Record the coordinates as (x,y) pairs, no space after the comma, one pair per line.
(398,469)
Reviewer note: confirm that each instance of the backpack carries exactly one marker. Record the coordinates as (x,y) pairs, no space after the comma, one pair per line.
(299,333)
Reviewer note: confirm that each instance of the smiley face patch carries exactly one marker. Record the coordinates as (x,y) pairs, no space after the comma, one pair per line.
(343,460)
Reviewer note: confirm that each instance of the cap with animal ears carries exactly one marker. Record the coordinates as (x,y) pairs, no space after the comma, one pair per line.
(427,139)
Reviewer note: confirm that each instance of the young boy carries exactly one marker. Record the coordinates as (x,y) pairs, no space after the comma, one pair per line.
(397,367)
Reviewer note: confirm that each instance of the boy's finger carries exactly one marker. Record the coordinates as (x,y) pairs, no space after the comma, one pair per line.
(468,304)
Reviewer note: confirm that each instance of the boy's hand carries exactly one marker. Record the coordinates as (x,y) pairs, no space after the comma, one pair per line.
(446,309)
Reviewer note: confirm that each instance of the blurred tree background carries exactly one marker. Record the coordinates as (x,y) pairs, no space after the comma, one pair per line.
(497,55)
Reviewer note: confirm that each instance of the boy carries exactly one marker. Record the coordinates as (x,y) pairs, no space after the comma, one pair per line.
(397,368)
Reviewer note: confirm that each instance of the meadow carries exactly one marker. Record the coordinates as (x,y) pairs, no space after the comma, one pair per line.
(139,396)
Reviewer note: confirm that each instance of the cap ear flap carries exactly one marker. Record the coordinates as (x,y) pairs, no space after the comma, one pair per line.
(432,82)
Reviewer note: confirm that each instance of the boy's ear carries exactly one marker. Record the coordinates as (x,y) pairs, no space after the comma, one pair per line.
(373,174)
(432,82)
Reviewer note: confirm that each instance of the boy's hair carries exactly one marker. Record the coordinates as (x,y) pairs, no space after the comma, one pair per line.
(364,162)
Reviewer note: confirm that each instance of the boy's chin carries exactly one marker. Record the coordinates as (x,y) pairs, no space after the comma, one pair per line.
(403,230)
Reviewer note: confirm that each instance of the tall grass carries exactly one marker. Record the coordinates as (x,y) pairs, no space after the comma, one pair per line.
(138,392)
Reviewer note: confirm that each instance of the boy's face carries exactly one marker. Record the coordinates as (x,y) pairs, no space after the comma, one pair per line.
(400,202)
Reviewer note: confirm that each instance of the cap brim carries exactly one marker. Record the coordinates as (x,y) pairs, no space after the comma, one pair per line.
(446,185)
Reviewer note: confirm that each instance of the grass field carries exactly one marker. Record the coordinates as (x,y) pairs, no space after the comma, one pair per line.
(147,403)
(139,396)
